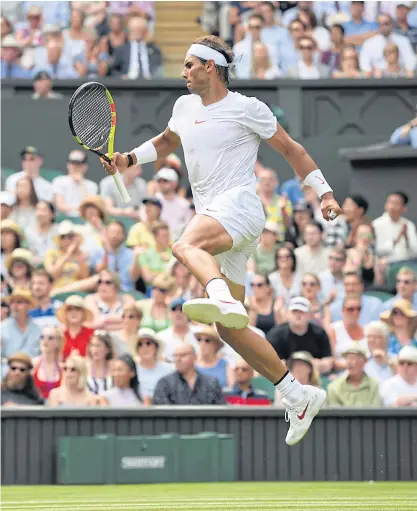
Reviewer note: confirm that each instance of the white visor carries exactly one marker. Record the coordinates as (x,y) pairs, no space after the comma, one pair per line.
(206,53)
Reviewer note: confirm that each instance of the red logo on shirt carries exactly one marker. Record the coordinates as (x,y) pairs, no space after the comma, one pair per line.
(199,122)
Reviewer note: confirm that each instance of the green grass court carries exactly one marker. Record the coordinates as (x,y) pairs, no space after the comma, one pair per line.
(215,497)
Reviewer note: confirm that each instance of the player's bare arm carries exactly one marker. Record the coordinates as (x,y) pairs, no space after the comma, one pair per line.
(306,169)
(162,145)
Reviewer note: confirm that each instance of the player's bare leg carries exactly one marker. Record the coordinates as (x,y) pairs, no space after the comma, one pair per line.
(203,238)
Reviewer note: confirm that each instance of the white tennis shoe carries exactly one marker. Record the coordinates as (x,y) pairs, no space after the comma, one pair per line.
(230,314)
(301,415)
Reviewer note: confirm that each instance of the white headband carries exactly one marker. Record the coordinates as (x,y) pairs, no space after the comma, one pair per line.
(206,53)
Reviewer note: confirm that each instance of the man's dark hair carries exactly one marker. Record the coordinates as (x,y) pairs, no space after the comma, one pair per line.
(41,272)
(256,16)
(360,201)
(340,27)
(316,224)
(119,223)
(270,5)
(353,274)
(297,21)
(215,43)
(403,195)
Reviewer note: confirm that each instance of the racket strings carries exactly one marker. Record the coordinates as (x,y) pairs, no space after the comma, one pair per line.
(92,117)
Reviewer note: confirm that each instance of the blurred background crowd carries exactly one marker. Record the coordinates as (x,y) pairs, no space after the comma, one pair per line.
(145,40)
(92,298)
(91,303)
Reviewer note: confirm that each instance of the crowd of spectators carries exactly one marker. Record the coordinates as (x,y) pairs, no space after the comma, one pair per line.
(45,41)
(92,297)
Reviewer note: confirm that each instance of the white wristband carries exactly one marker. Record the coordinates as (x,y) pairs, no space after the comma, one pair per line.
(317,182)
(145,153)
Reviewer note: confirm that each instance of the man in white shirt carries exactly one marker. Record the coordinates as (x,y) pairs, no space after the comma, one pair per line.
(372,52)
(396,237)
(220,132)
(312,257)
(306,67)
(72,189)
(175,209)
(32,161)
(401,389)
(181,331)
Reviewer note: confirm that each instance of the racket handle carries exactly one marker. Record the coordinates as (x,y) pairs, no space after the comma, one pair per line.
(124,194)
(332,215)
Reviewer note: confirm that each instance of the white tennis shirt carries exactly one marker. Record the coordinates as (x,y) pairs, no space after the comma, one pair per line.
(220,142)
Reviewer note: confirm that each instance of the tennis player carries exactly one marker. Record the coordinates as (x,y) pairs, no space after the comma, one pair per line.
(220,132)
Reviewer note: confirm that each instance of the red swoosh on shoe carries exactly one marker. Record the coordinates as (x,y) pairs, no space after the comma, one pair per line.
(301,417)
(223,301)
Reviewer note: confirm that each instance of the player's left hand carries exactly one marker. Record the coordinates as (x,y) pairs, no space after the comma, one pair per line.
(329,206)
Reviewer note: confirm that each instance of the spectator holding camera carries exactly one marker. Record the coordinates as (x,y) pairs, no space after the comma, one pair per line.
(401,389)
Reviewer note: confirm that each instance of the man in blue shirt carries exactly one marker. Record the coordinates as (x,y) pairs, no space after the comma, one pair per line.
(406,134)
(115,255)
(371,306)
(292,189)
(10,59)
(19,332)
(41,285)
(357,30)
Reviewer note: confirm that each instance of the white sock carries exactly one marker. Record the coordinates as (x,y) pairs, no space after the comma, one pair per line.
(219,290)
(291,389)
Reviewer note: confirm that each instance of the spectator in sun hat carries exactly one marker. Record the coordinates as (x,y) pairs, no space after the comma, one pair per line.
(7,201)
(402,321)
(180,332)
(73,314)
(136,186)
(19,331)
(42,87)
(11,238)
(72,189)
(140,235)
(32,162)
(401,389)
(18,387)
(67,263)
(175,209)
(93,211)
(11,53)
(354,388)
(151,368)
(19,266)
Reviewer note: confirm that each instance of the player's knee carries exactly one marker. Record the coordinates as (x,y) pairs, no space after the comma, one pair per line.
(180,250)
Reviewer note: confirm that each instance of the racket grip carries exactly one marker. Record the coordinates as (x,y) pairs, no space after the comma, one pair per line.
(124,194)
(332,215)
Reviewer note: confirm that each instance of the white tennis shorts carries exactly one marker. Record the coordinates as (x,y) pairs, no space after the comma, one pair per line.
(241,213)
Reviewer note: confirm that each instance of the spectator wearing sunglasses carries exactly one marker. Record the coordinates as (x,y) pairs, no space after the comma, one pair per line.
(19,332)
(406,287)
(262,303)
(209,359)
(73,391)
(47,372)
(150,366)
(401,389)
(126,338)
(402,321)
(108,303)
(285,280)
(73,314)
(306,68)
(347,332)
(156,311)
(100,353)
(18,387)
(242,392)
(332,279)
(32,162)
(181,331)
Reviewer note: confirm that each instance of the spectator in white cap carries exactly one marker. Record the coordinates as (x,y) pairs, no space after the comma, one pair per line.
(32,162)
(7,201)
(136,186)
(72,189)
(354,388)
(401,389)
(300,334)
(175,209)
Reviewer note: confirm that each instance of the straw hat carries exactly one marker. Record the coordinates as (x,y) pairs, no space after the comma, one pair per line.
(96,201)
(67,227)
(9,225)
(19,254)
(73,301)
(356,350)
(402,305)
(210,333)
(20,357)
(23,294)
(10,42)
(148,333)
(304,356)
(164,281)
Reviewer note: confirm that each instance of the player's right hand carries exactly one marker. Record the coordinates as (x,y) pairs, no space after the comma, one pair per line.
(119,162)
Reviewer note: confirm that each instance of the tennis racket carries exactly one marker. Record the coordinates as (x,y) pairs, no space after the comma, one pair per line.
(92,120)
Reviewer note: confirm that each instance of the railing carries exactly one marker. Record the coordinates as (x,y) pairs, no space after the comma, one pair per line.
(343,444)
